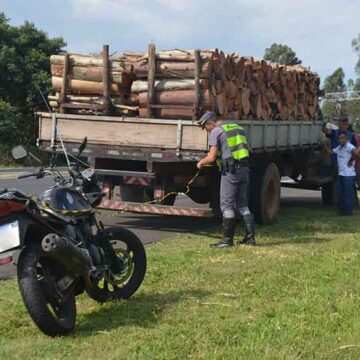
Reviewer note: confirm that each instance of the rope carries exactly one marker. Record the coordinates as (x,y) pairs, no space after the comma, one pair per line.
(157,201)
(119,212)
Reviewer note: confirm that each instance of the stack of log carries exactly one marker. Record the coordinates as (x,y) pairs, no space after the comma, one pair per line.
(180,84)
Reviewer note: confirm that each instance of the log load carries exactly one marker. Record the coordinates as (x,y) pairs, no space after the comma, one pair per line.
(183,84)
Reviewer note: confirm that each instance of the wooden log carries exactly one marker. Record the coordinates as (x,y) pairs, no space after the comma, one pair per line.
(238,103)
(170,55)
(165,84)
(245,101)
(185,114)
(80,99)
(228,83)
(81,104)
(88,73)
(171,69)
(92,61)
(84,87)
(176,97)
(222,104)
(231,89)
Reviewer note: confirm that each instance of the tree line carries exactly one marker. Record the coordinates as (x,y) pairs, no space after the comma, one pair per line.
(25,69)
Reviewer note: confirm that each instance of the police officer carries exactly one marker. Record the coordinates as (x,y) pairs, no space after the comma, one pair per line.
(228,147)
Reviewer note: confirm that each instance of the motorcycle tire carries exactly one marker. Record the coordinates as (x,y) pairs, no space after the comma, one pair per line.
(36,276)
(136,257)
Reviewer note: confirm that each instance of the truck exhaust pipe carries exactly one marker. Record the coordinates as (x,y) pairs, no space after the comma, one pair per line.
(74,259)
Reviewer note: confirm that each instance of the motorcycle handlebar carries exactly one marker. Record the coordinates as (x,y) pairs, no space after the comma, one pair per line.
(39,173)
(28,175)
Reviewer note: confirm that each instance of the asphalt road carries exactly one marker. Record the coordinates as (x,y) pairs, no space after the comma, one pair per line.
(148,228)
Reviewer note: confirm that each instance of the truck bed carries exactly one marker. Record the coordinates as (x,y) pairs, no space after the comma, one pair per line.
(181,136)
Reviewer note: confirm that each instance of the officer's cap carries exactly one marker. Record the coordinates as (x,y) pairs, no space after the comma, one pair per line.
(208,116)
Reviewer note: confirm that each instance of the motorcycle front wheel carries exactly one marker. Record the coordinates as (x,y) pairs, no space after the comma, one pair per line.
(52,312)
(131,252)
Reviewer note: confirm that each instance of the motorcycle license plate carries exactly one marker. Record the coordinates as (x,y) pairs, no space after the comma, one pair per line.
(9,236)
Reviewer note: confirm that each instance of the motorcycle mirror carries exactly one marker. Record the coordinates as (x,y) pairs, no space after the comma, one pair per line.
(83,145)
(19,152)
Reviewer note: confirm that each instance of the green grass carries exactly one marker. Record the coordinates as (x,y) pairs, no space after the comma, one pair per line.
(295,296)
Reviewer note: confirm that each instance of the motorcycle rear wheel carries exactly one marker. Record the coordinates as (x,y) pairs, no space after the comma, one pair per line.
(37,275)
(121,286)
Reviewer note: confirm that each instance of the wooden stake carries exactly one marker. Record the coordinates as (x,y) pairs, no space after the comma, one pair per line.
(106,79)
(151,79)
(197,100)
(64,84)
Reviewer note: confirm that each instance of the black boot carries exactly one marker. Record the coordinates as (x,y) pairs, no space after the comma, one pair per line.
(229,225)
(249,238)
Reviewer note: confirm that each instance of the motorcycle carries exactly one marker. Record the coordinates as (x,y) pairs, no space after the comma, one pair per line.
(60,248)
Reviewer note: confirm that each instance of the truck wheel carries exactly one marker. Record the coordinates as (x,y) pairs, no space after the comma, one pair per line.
(265,194)
(328,194)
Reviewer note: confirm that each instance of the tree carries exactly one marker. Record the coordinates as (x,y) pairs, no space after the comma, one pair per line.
(356,86)
(281,54)
(353,108)
(356,47)
(24,67)
(335,82)
(350,85)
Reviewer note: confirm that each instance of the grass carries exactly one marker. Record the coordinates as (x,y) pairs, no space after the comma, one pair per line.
(295,296)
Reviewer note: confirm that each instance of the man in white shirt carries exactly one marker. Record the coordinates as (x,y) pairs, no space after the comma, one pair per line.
(346,154)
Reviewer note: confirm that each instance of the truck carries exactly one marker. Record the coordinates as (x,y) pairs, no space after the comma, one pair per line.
(140,160)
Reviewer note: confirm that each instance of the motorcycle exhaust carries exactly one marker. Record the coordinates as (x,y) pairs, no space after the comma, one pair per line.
(74,259)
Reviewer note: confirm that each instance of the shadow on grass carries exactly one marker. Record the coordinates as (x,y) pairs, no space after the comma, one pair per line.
(143,310)
(277,237)
(299,240)
(294,226)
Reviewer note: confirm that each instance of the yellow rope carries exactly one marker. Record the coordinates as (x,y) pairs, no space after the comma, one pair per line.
(156,201)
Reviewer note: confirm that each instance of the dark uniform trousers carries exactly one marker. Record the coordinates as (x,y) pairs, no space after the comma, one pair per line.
(234,192)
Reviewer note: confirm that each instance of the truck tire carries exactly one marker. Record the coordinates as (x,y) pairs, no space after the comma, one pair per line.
(328,194)
(265,193)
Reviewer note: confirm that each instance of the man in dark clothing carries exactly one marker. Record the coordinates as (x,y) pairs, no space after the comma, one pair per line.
(229,148)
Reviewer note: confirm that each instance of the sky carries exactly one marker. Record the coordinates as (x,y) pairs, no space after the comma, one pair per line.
(320,31)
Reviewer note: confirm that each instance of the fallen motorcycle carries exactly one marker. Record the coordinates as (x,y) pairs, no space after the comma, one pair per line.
(62,249)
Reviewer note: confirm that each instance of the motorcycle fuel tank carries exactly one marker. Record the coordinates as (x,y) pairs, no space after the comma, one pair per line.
(62,198)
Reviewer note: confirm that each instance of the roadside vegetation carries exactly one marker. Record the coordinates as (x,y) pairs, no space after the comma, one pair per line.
(294,296)
(24,69)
